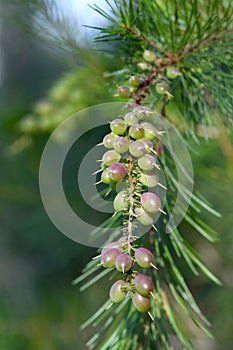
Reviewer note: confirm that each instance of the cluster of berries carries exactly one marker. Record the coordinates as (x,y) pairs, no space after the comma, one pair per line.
(134,285)
(161,68)
(132,158)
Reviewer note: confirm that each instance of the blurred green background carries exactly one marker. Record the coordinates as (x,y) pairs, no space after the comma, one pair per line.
(43,81)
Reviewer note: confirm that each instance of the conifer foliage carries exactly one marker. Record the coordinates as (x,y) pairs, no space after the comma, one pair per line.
(176,66)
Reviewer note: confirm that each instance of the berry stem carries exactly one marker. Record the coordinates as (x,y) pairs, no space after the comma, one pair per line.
(131,203)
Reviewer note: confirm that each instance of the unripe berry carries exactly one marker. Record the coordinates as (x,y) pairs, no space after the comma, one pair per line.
(150,132)
(142,304)
(108,140)
(143,65)
(111,157)
(162,88)
(149,56)
(137,149)
(105,177)
(144,257)
(149,179)
(124,91)
(142,112)
(150,202)
(143,217)
(136,131)
(118,126)
(123,263)
(147,162)
(121,144)
(135,81)
(117,172)
(109,245)
(143,284)
(109,256)
(130,119)
(173,72)
(147,143)
(117,294)
(121,201)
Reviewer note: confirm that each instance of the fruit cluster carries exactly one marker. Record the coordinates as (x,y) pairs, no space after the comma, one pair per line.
(161,72)
(131,160)
(131,157)
(134,285)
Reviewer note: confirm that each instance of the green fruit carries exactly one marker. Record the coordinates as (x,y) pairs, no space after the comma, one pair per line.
(111,157)
(149,56)
(149,179)
(108,140)
(147,162)
(121,201)
(136,131)
(118,126)
(137,149)
(121,144)
(150,202)
(143,217)
(105,177)
(142,304)
(124,91)
(147,143)
(130,119)
(173,72)
(135,81)
(162,88)
(117,294)
(150,132)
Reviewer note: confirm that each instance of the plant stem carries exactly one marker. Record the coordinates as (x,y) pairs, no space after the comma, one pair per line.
(131,204)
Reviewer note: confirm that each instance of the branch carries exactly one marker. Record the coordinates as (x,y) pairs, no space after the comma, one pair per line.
(204,43)
(149,42)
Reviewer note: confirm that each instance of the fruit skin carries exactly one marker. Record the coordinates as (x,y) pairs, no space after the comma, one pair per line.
(150,202)
(149,56)
(135,81)
(121,144)
(143,217)
(136,131)
(147,162)
(150,132)
(144,257)
(105,177)
(149,179)
(142,304)
(123,263)
(108,140)
(162,88)
(117,172)
(121,201)
(130,119)
(147,143)
(111,157)
(116,294)
(114,244)
(173,72)
(118,126)
(124,91)
(137,149)
(143,284)
(109,257)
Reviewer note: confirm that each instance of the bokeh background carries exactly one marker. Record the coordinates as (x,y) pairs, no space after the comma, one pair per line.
(49,69)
